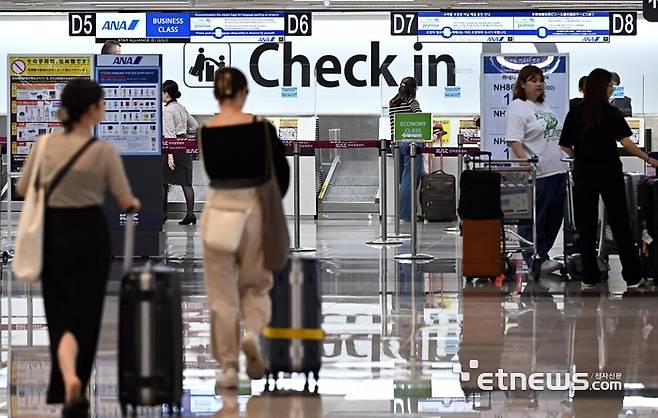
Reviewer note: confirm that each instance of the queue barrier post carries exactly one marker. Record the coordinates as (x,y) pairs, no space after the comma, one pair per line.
(384,239)
(396,193)
(414,255)
(297,248)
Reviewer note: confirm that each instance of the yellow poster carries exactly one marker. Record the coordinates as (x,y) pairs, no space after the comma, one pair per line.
(44,66)
(441,131)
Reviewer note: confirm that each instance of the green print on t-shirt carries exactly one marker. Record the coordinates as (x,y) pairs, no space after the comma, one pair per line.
(550,131)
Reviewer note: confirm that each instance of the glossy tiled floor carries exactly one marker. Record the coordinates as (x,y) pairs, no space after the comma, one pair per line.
(395,335)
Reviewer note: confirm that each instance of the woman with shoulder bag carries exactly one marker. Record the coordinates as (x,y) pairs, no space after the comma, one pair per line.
(76,170)
(243,228)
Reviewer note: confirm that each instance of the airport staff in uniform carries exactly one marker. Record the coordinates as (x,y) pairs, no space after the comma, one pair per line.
(178,168)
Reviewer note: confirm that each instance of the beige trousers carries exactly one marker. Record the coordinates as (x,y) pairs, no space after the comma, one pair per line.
(237,284)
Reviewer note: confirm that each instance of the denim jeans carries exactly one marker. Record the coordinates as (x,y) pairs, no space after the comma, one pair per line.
(551,194)
(405,179)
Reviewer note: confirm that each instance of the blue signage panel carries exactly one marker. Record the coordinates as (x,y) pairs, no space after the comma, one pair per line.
(133,102)
(237,27)
(466,26)
(517,26)
(168,25)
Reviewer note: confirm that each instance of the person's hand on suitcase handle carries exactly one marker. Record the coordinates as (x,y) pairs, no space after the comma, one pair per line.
(129,204)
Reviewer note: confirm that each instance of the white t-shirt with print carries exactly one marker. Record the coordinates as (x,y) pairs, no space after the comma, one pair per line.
(538,129)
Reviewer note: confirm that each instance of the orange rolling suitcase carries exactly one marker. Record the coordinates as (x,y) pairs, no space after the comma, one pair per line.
(482,251)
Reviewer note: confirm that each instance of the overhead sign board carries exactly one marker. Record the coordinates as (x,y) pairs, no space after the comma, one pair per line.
(466,26)
(591,27)
(121,25)
(511,26)
(168,25)
(258,27)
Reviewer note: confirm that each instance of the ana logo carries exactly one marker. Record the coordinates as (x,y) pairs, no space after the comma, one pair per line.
(127,60)
(591,39)
(120,25)
(496,39)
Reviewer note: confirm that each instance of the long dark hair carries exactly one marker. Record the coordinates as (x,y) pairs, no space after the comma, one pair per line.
(406,92)
(76,99)
(595,97)
(527,73)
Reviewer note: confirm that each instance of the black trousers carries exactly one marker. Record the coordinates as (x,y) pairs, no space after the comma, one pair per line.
(75,272)
(592,182)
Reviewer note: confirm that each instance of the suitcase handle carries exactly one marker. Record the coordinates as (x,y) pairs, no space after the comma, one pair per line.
(476,158)
(129,241)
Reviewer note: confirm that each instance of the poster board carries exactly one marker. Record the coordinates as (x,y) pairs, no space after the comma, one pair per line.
(133,102)
(35,85)
(499,72)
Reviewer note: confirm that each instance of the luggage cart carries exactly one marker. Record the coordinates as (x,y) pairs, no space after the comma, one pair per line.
(518,186)
(572,260)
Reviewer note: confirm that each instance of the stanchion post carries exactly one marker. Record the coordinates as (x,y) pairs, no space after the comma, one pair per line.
(296,203)
(413,151)
(396,193)
(460,168)
(383,239)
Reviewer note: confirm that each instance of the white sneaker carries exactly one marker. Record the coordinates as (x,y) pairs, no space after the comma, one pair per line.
(226,379)
(641,283)
(549,266)
(251,348)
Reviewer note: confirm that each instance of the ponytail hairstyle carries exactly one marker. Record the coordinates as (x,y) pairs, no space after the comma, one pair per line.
(406,92)
(171,87)
(76,99)
(228,83)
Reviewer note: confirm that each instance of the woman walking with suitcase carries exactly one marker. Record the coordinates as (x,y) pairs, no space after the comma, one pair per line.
(241,154)
(77,170)
(590,135)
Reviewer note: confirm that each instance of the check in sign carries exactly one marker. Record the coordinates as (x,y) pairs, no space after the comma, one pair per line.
(413,127)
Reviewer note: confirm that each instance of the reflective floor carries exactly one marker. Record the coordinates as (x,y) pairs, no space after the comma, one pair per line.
(397,337)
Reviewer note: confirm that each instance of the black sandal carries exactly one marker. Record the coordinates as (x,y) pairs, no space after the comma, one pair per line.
(79,408)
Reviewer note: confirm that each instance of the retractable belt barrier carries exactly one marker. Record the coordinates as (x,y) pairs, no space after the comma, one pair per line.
(307,148)
(303,148)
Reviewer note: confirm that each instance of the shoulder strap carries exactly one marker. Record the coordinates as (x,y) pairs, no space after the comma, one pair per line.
(65,169)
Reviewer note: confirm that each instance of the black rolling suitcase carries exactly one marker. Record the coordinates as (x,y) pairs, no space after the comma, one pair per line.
(647,215)
(150,335)
(632,183)
(292,343)
(438,197)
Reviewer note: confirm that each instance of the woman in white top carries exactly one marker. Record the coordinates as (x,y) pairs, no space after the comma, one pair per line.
(178,123)
(533,129)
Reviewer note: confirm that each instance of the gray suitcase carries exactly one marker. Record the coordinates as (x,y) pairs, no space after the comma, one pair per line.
(438,197)
(292,343)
